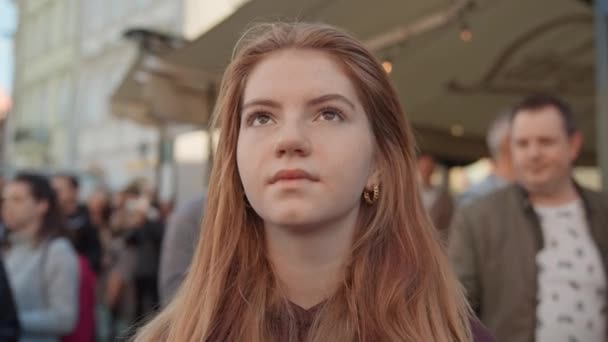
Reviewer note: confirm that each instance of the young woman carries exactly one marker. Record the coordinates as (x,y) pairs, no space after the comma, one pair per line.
(41,265)
(314,228)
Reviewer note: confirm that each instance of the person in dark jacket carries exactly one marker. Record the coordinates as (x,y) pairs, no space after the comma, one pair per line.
(83,233)
(436,198)
(533,256)
(9,322)
(145,238)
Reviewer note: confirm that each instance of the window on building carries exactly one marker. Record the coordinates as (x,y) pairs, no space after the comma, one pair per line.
(56,21)
(43,29)
(64,100)
(44,112)
(70,16)
(26,38)
(51,117)
(36,35)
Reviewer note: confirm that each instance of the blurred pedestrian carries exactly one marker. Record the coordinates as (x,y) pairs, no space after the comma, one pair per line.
(9,322)
(41,264)
(3,231)
(532,256)
(119,296)
(435,198)
(498,140)
(179,242)
(145,237)
(100,210)
(85,239)
(314,229)
(82,232)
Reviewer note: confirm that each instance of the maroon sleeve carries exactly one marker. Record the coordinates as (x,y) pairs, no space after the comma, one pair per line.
(480,333)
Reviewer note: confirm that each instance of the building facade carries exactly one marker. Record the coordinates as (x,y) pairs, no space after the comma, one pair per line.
(119,148)
(46,54)
(70,56)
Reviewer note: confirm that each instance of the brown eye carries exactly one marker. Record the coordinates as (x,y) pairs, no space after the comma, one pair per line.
(259,119)
(331,114)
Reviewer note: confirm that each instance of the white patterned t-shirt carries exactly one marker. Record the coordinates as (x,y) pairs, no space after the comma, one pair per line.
(571,278)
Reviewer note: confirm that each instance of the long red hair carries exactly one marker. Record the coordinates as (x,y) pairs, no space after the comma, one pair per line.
(398,285)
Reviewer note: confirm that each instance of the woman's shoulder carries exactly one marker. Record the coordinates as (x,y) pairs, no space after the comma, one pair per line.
(61,246)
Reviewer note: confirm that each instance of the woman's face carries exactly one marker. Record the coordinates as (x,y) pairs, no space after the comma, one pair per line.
(20,209)
(97,201)
(305,147)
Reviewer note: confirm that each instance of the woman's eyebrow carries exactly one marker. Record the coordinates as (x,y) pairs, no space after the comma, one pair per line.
(312,102)
(262,102)
(330,97)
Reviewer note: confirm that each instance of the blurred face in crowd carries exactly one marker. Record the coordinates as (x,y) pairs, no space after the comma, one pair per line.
(19,209)
(137,208)
(67,194)
(542,151)
(97,201)
(305,147)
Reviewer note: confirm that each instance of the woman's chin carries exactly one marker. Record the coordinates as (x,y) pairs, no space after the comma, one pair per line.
(293,218)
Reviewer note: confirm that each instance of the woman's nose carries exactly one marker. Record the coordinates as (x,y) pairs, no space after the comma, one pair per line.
(292,140)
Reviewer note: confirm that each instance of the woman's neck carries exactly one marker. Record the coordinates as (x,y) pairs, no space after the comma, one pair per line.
(310,262)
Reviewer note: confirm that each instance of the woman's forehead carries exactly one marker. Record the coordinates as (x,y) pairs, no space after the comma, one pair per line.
(298,74)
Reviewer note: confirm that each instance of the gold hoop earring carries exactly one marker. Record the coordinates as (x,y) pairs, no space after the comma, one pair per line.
(374,196)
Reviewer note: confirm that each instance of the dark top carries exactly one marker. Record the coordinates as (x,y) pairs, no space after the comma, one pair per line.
(9,323)
(305,317)
(146,240)
(85,237)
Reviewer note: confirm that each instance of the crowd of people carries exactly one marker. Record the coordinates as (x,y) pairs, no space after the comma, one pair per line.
(528,243)
(293,248)
(79,271)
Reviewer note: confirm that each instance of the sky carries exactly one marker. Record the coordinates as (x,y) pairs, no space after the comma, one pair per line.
(8,25)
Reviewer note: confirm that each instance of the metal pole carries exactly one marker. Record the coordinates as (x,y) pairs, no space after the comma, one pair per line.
(601,75)
(161,156)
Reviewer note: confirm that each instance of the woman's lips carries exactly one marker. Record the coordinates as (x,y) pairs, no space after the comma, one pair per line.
(292,175)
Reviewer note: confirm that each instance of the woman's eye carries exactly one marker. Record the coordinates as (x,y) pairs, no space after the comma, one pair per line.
(330,114)
(260,119)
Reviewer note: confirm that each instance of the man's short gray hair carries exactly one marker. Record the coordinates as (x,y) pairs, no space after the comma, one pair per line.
(498,130)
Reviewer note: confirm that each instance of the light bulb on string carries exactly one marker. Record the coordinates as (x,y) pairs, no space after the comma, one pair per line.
(387,65)
(457,130)
(466,34)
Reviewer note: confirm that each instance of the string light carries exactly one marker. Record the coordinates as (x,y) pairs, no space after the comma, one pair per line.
(388,66)
(457,130)
(466,35)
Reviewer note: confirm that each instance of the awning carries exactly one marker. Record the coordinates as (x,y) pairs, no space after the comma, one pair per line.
(153,93)
(128,101)
(451,89)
